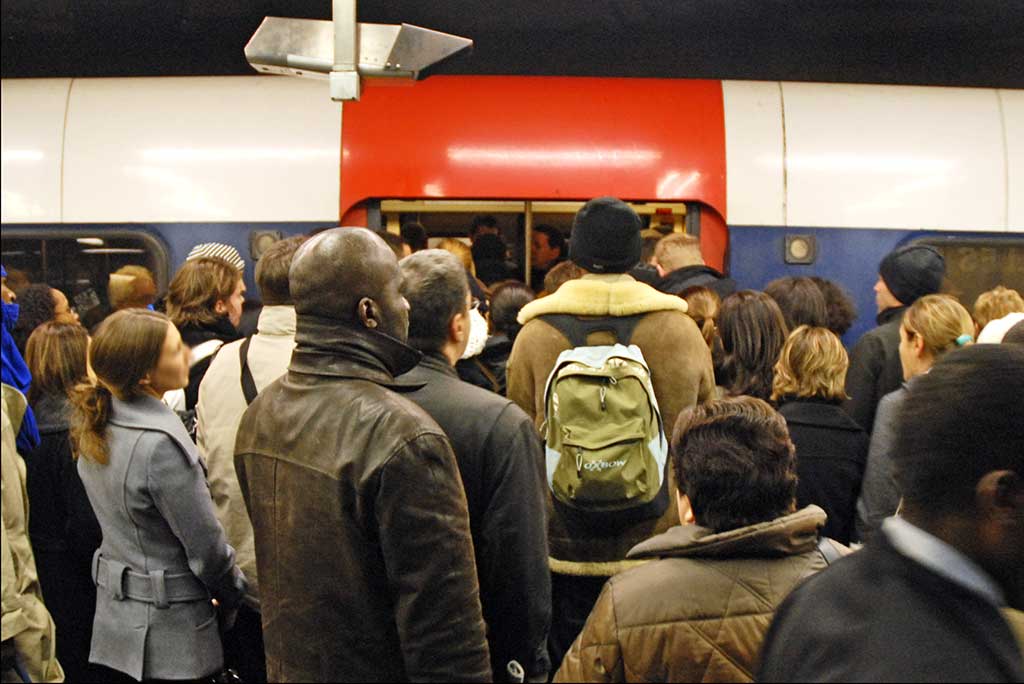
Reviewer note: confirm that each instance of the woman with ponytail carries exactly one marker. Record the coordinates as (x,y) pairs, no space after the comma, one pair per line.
(164,558)
(932,326)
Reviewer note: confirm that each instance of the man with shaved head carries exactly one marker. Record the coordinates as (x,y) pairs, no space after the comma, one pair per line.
(362,533)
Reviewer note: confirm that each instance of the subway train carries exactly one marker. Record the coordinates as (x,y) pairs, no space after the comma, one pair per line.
(776,178)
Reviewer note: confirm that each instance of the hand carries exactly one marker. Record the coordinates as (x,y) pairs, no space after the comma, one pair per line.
(226,618)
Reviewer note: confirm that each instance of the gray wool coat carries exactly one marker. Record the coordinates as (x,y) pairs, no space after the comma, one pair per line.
(163,556)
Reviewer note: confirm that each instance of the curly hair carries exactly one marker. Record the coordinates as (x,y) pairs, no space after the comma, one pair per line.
(842,312)
(35,307)
(734,460)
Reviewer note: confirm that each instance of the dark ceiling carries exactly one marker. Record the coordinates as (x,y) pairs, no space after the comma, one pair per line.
(943,42)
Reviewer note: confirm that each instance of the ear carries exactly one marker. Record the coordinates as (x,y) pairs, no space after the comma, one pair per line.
(368,312)
(458,327)
(221,307)
(661,271)
(1000,493)
(917,344)
(685,509)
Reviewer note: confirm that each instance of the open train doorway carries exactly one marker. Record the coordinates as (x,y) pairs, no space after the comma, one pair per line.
(518,223)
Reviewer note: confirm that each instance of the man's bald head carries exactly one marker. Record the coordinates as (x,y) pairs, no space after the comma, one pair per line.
(352,276)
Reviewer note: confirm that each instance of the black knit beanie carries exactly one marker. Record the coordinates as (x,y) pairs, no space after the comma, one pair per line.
(913,271)
(606,236)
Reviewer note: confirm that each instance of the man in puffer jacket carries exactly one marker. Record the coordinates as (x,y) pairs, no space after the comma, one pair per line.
(699,609)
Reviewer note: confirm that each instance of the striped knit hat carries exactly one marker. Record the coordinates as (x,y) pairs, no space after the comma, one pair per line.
(217,250)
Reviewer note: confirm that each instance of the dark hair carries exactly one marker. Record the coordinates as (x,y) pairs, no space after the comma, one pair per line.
(272,271)
(483,221)
(487,248)
(56,357)
(842,312)
(35,307)
(507,300)
(801,302)
(127,345)
(647,249)
(735,461)
(415,235)
(960,421)
(1015,335)
(196,288)
(752,331)
(395,242)
(555,238)
(436,286)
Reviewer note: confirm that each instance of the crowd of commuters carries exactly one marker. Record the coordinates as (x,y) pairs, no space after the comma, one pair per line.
(417,468)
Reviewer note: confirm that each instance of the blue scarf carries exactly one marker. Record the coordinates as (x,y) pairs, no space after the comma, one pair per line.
(16,374)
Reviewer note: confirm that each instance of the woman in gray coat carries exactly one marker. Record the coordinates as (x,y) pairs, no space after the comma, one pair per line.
(164,564)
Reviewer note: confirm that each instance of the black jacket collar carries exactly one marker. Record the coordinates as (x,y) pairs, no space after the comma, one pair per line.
(817,412)
(895,313)
(437,363)
(328,347)
(194,334)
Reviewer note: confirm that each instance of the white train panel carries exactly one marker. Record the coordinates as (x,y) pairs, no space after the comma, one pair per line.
(753,153)
(1013,120)
(248,148)
(860,156)
(32,125)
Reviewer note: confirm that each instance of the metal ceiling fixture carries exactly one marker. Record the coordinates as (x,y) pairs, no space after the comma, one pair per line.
(343,50)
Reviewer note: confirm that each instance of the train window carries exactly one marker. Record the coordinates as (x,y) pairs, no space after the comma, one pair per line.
(79,261)
(976,265)
(515,219)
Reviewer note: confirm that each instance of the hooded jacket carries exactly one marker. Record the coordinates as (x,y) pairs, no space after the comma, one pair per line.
(681,373)
(24,615)
(875,368)
(362,532)
(218,413)
(699,609)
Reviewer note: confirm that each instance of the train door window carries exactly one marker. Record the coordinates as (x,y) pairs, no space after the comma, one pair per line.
(515,220)
(79,261)
(974,265)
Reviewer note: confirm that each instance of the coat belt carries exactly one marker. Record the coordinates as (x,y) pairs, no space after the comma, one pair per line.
(155,587)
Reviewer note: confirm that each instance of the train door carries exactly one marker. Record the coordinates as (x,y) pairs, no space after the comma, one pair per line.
(516,221)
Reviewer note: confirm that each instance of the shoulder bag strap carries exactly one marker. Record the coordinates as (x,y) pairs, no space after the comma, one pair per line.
(248,384)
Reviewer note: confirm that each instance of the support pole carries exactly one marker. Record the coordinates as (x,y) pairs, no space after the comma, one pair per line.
(345,73)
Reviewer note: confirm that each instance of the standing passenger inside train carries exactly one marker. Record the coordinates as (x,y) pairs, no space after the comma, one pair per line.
(904,276)
(129,287)
(204,301)
(499,456)
(164,556)
(63,527)
(362,532)
(922,603)
(547,250)
(753,331)
(831,449)
(240,371)
(681,265)
(698,610)
(931,327)
(588,549)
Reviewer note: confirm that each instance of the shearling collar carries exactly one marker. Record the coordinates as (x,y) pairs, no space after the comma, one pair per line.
(789,535)
(602,295)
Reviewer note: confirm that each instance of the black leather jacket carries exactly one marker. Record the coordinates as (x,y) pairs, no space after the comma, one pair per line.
(362,533)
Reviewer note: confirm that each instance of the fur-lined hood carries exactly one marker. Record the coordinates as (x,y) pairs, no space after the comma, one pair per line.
(602,295)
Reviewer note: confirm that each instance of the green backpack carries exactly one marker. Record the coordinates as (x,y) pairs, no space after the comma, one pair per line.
(605,443)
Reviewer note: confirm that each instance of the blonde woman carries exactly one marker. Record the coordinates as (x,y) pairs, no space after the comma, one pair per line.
(934,325)
(831,449)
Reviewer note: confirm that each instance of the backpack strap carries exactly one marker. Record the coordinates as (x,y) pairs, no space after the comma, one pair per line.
(248,383)
(578,328)
(828,550)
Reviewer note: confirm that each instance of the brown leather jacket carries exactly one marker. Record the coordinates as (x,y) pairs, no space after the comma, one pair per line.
(700,611)
(362,533)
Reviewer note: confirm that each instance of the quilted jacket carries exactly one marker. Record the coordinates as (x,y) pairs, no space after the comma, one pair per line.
(698,611)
